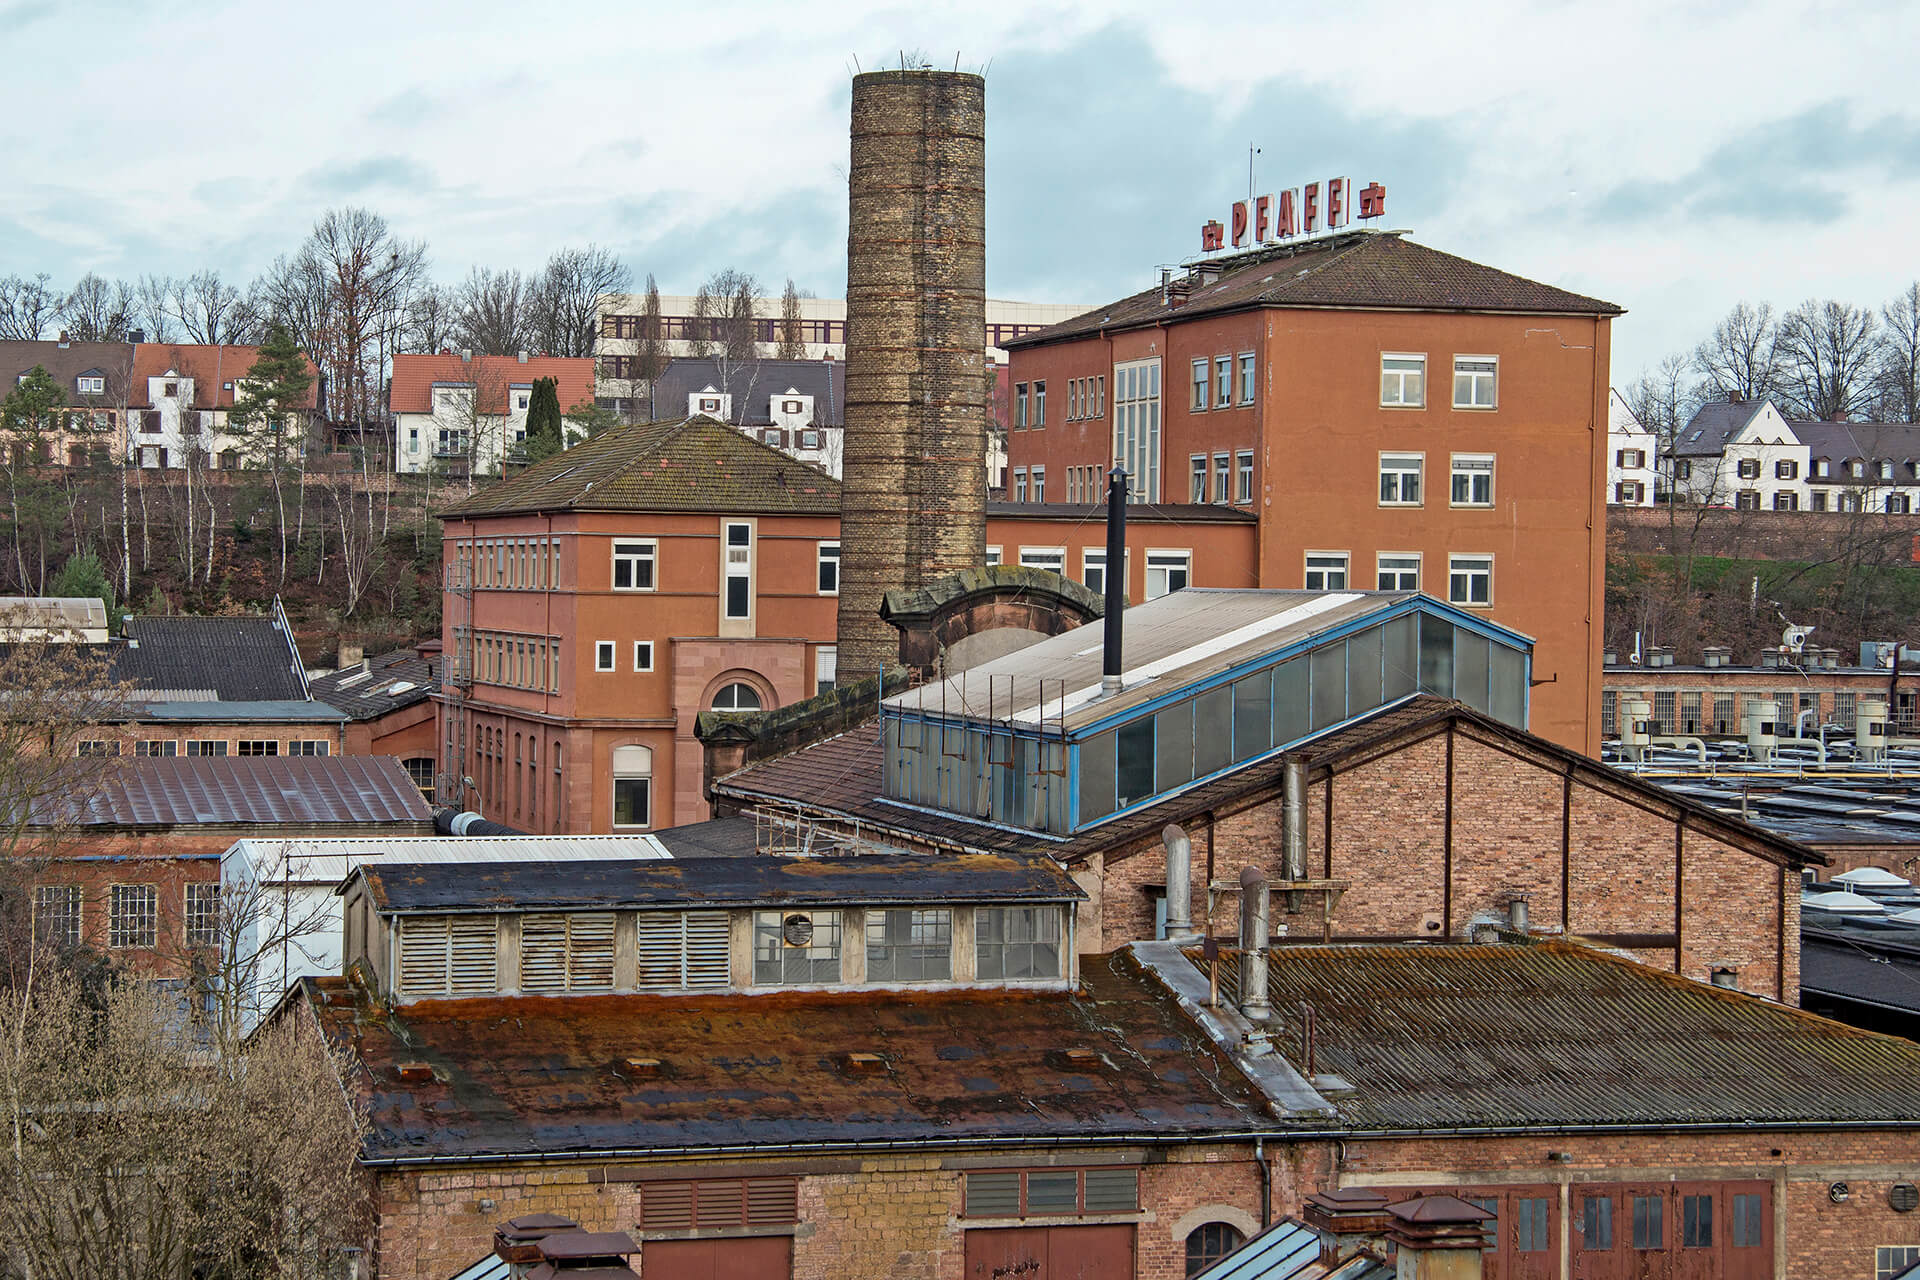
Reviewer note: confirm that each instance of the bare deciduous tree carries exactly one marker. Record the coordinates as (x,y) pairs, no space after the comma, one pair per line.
(98,310)
(1829,353)
(1742,356)
(564,301)
(793,344)
(433,315)
(493,316)
(1899,372)
(28,306)
(210,311)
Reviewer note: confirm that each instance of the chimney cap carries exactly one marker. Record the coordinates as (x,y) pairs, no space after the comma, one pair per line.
(1438,1210)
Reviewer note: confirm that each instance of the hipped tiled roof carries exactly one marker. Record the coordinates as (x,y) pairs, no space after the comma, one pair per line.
(1369,270)
(690,464)
(416,375)
(217,372)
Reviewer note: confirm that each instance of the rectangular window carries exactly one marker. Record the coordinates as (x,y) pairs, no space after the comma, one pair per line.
(1054,558)
(1019,406)
(1533,1228)
(155,747)
(1093,570)
(1201,386)
(1696,1222)
(633,565)
(910,945)
(1746,1221)
(1223,381)
(1199,486)
(739,565)
(1649,1222)
(1470,580)
(1243,476)
(1136,427)
(1747,500)
(643,655)
(203,915)
(1167,572)
(1019,484)
(1013,1193)
(1039,478)
(1472,480)
(207,748)
(829,569)
(1222,477)
(826,668)
(134,917)
(1039,405)
(603,655)
(1596,1222)
(632,800)
(1400,475)
(1787,500)
(1246,377)
(797,948)
(1473,381)
(1403,381)
(1399,570)
(1786,470)
(259,747)
(1014,943)
(1326,571)
(1747,468)
(310,747)
(56,914)
(1890,1260)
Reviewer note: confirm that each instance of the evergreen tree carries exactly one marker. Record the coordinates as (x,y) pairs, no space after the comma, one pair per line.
(650,353)
(83,577)
(793,344)
(544,435)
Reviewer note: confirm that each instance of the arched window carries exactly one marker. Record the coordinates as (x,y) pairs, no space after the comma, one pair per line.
(1210,1242)
(737,697)
(632,787)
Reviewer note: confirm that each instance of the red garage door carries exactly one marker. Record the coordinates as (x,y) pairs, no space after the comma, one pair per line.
(1048,1253)
(753,1258)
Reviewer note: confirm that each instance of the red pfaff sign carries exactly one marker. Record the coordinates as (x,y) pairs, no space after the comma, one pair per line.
(1300,211)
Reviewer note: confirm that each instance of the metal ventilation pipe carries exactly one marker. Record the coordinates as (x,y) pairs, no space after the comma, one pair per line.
(1253,945)
(1517,913)
(1116,582)
(1179,884)
(1726,978)
(1293,810)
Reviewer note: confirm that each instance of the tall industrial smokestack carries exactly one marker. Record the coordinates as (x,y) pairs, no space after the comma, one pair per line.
(913,477)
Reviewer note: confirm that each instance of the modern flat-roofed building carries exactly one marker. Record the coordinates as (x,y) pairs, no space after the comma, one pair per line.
(1397,417)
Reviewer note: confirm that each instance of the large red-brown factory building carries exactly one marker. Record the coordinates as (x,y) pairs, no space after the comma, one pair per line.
(1396,418)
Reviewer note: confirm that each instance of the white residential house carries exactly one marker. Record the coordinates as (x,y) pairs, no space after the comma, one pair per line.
(179,402)
(1742,454)
(1633,457)
(452,412)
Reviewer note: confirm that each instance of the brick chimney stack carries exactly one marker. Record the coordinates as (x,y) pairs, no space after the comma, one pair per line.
(913,480)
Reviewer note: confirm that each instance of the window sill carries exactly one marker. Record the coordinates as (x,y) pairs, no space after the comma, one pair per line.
(1470,506)
(1476,408)
(1414,506)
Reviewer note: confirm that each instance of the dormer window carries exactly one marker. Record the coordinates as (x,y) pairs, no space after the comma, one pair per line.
(790,406)
(91,386)
(709,404)
(169,389)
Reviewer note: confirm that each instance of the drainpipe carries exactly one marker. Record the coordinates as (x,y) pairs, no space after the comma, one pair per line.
(1116,584)
(1266,1182)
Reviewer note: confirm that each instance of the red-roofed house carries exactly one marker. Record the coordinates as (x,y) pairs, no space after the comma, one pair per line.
(180,397)
(461,412)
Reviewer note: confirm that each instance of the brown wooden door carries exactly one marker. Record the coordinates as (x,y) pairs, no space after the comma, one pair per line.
(749,1258)
(1530,1234)
(1048,1253)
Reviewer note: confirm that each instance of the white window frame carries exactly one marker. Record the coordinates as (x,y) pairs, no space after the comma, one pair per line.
(1222,478)
(1400,376)
(1198,482)
(1243,476)
(1019,484)
(1325,570)
(133,916)
(1019,406)
(1395,464)
(735,566)
(603,655)
(1469,567)
(617,775)
(634,554)
(1163,565)
(1455,470)
(93,386)
(1037,483)
(643,655)
(825,554)
(1054,558)
(1223,381)
(1202,386)
(1094,560)
(1247,379)
(1474,377)
(1381,569)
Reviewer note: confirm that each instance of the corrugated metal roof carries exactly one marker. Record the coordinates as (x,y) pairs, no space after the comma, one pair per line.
(1437,1036)
(310,791)
(249,659)
(543,1075)
(1178,639)
(716,882)
(329,861)
(250,710)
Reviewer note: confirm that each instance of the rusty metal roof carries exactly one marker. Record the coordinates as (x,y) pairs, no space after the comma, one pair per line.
(526,1076)
(307,792)
(1556,1034)
(873,879)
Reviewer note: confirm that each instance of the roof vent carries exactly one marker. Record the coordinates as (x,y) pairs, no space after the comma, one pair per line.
(863,1064)
(1904,1197)
(1726,978)
(1078,1059)
(640,1068)
(413,1073)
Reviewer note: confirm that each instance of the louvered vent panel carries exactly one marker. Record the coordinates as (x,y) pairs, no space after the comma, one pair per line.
(772,1202)
(474,969)
(423,954)
(590,952)
(707,948)
(1113,1190)
(666,1206)
(662,950)
(993,1195)
(543,953)
(720,1202)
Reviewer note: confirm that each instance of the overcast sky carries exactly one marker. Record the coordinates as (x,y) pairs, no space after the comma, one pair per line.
(1673,158)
